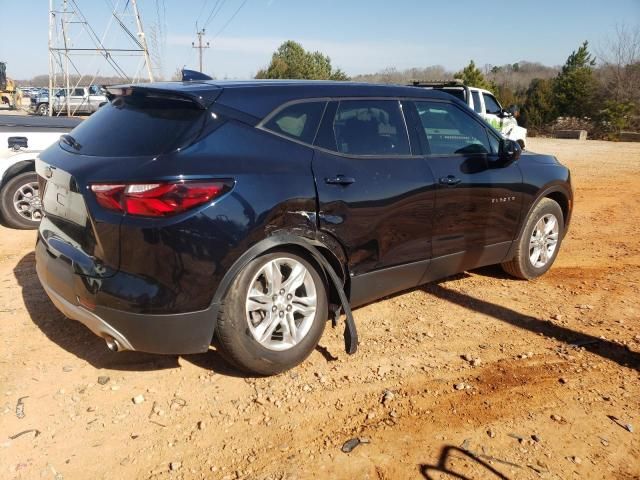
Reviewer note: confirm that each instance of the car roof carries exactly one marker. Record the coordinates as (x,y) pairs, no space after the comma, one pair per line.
(260,97)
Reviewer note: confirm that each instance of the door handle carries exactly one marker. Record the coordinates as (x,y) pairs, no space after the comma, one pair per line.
(450,180)
(340,180)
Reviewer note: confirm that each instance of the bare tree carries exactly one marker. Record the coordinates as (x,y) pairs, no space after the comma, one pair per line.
(620,64)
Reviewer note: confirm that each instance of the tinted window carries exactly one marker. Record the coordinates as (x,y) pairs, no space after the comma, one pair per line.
(494,142)
(299,121)
(477,106)
(491,104)
(449,130)
(138,125)
(78,92)
(370,127)
(456,92)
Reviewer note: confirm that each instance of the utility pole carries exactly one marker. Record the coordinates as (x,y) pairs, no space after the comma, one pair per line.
(200,46)
(51,64)
(66,56)
(143,39)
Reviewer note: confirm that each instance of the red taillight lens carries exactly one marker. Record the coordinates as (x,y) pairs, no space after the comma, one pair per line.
(157,199)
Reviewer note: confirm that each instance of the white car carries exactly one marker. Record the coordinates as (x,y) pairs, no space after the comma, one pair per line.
(485,104)
(21,140)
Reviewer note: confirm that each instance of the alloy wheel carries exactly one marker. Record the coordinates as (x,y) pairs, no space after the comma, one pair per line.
(544,240)
(26,202)
(281,304)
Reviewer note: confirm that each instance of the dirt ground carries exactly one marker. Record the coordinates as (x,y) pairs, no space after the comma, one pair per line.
(478,376)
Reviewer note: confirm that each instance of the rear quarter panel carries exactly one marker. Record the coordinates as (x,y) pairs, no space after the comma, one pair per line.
(188,255)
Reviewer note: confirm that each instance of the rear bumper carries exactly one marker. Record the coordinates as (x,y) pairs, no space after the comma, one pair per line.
(177,333)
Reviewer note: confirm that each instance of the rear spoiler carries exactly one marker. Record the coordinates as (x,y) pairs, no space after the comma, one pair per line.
(202,95)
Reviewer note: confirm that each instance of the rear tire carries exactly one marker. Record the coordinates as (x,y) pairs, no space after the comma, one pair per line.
(254,328)
(43,109)
(537,248)
(20,203)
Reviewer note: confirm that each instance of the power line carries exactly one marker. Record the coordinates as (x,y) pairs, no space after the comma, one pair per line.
(214,12)
(230,19)
(204,2)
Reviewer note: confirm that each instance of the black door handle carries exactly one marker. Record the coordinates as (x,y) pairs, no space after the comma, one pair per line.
(340,180)
(449,180)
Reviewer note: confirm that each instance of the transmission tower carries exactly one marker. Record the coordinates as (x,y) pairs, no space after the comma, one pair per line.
(68,24)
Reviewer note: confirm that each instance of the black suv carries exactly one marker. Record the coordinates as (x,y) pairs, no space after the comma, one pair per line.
(248,213)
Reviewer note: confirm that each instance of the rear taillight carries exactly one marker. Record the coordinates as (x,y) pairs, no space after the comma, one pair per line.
(157,199)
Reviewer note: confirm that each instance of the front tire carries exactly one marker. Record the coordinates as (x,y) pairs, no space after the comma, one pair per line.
(43,109)
(273,314)
(539,243)
(20,203)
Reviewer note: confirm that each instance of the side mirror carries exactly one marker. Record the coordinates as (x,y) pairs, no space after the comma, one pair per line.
(514,110)
(509,152)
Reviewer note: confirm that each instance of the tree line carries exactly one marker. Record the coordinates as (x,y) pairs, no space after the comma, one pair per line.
(602,96)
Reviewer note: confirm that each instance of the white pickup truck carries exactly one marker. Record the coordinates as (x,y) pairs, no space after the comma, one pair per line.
(485,104)
(80,99)
(21,140)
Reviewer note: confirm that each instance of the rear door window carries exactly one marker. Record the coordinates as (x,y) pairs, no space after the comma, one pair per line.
(138,125)
(450,131)
(298,121)
(477,106)
(368,127)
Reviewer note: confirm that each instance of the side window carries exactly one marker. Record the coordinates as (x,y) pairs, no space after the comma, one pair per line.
(491,104)
(449,130)
(370,127)
(299,121)
(94,90)
(494,142)
(477,106)
(78,92)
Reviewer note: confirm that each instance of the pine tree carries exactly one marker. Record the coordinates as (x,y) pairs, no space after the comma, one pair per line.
(539,108)
(473,77)
(292,61)
(575,86)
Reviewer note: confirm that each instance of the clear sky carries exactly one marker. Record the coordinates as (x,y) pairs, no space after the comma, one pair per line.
(360,36)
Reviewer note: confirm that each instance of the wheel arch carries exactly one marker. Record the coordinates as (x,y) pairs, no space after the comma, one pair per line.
(320,252)
(561,199)
(16,169)
(557,192)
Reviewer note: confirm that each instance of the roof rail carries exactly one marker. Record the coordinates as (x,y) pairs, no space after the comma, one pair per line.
(456,82)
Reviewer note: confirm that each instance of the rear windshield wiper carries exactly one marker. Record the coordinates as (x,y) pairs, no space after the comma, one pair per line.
(69,140)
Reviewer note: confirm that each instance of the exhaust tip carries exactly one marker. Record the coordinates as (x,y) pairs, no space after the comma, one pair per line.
(112,344)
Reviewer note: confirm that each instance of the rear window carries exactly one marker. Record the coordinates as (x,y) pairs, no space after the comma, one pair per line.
(299,121)
(139,125)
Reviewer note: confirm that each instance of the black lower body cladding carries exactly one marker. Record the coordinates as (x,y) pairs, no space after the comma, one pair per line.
(178,333)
